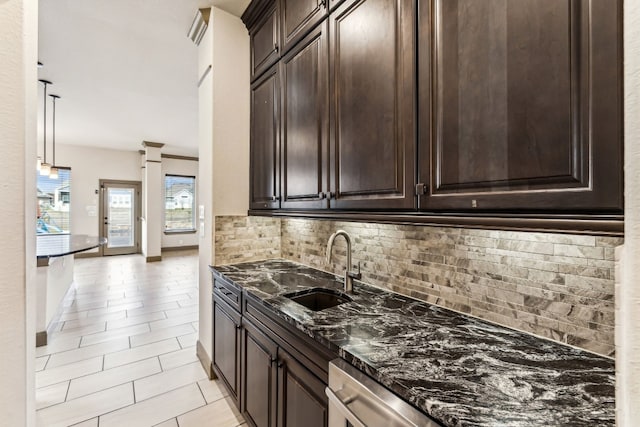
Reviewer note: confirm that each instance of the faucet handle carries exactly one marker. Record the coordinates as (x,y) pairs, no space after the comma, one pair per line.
(355,275)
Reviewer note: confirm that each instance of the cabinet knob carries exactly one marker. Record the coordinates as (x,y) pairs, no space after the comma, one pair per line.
(275,198)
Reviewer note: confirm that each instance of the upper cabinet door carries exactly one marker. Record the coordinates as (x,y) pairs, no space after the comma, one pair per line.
(297,18)
(521,105)
(372,114)
(264,42)
(304,116)
(264,158)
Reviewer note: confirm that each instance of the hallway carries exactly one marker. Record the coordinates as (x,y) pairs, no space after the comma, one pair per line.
(124,350)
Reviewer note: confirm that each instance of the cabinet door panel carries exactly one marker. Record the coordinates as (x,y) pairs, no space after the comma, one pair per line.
(298,17)
(305,123)
(302,401)
(372,111)
(259,373)
(226,346)
(264,42)
(265,186)
(516,97)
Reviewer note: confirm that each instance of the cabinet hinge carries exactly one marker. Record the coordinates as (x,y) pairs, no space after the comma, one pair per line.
(421,189)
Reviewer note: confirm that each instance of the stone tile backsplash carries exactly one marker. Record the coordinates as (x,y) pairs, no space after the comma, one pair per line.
(246,238)
(558,286)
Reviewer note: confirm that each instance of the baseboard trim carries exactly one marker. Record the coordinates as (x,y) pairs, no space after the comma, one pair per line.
(205,361)
(41,338)
(87,255)
(180,248)
(154,258)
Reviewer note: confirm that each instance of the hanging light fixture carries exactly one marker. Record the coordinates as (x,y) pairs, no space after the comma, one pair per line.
(45,168)
(53,174)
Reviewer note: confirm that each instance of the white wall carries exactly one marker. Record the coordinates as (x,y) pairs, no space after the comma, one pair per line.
(88,166)
(187,168)
(18,116)
(223,140)
(628,298)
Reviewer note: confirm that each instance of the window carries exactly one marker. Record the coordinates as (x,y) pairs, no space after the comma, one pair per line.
(179,203)
(54,202)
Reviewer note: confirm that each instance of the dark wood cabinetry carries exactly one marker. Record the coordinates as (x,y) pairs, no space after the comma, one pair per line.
(259,379)
(264,38)
(304,156)
(301,396)
(297,17)
(275,375)
(372,81)
(226,346)
(265,158)
(442,109)
(520,105)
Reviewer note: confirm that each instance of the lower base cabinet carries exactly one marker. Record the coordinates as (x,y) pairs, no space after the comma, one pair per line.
(277,389)
(259,377)
(301,397)
(226,346)
(270,385)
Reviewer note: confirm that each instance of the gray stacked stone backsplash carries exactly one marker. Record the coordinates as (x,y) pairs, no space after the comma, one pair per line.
(558,286)
(246,238)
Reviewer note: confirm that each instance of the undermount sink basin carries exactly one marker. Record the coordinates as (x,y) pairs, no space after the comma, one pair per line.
(318,299)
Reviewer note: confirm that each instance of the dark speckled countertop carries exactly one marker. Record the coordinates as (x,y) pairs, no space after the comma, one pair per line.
(460,370)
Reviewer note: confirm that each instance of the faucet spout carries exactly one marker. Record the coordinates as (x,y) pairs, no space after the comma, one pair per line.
(348,275)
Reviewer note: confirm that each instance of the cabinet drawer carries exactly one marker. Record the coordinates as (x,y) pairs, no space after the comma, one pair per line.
(228,293)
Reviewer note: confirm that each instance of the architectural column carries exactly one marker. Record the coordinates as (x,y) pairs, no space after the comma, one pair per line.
(628,288)
(152,202)
(18,121)
(223,121)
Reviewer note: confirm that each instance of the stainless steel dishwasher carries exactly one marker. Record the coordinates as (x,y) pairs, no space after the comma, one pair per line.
(356,400)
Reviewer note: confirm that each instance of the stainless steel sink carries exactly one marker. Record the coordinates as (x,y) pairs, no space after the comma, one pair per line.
(318,299)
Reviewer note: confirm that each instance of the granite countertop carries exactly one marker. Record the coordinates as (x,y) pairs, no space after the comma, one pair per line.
(460,370)
(56,245)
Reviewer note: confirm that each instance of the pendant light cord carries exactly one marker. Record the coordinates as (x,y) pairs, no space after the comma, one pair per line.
(45,83)
(54,129)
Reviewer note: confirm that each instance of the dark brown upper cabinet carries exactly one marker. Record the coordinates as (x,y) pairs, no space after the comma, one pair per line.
(264,144)
(372,111)
(304,116)
(297,18)
(264,39)
(334,3)
(520,105)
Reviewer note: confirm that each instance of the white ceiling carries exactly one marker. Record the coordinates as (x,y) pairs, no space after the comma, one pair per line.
(125,69)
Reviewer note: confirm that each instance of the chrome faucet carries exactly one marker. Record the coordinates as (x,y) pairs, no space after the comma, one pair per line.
(348,275)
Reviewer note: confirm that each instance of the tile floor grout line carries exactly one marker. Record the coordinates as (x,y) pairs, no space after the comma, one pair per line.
(66,395)
(86,395)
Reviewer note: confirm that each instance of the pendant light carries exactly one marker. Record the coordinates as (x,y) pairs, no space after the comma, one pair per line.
(45,168)
(53,174)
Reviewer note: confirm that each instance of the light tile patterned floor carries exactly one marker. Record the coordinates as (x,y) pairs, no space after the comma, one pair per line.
(124,354)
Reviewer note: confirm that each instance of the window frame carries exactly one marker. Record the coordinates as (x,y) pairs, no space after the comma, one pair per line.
(172,231)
